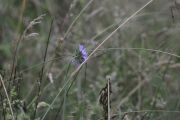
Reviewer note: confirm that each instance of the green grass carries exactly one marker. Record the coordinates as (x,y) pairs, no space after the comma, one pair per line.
(134,44)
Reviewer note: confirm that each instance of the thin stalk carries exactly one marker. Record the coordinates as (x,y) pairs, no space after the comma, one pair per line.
(42,71)
(109,109)
(23,6)
(75,77)
(85,73)
(45,55)
(64,105)
(14,60)
(64,99)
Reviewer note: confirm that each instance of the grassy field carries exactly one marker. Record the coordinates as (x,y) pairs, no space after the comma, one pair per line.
(89,60)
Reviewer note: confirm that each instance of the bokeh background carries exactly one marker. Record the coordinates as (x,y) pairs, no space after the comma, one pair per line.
(141,59)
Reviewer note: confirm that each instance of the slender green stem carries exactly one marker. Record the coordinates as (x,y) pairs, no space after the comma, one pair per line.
(39,82)
(64,99)
(109,109)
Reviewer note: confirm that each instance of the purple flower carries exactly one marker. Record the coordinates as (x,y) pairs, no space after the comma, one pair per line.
(83,53)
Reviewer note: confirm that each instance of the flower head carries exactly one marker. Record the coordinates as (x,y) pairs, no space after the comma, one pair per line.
(83,52)
(81,55)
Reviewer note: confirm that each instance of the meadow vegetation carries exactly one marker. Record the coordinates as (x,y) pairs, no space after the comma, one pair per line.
(89,60)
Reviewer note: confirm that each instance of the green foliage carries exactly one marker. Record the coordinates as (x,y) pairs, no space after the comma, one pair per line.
(145,81)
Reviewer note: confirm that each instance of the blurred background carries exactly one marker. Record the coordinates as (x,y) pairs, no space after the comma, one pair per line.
(141,59)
